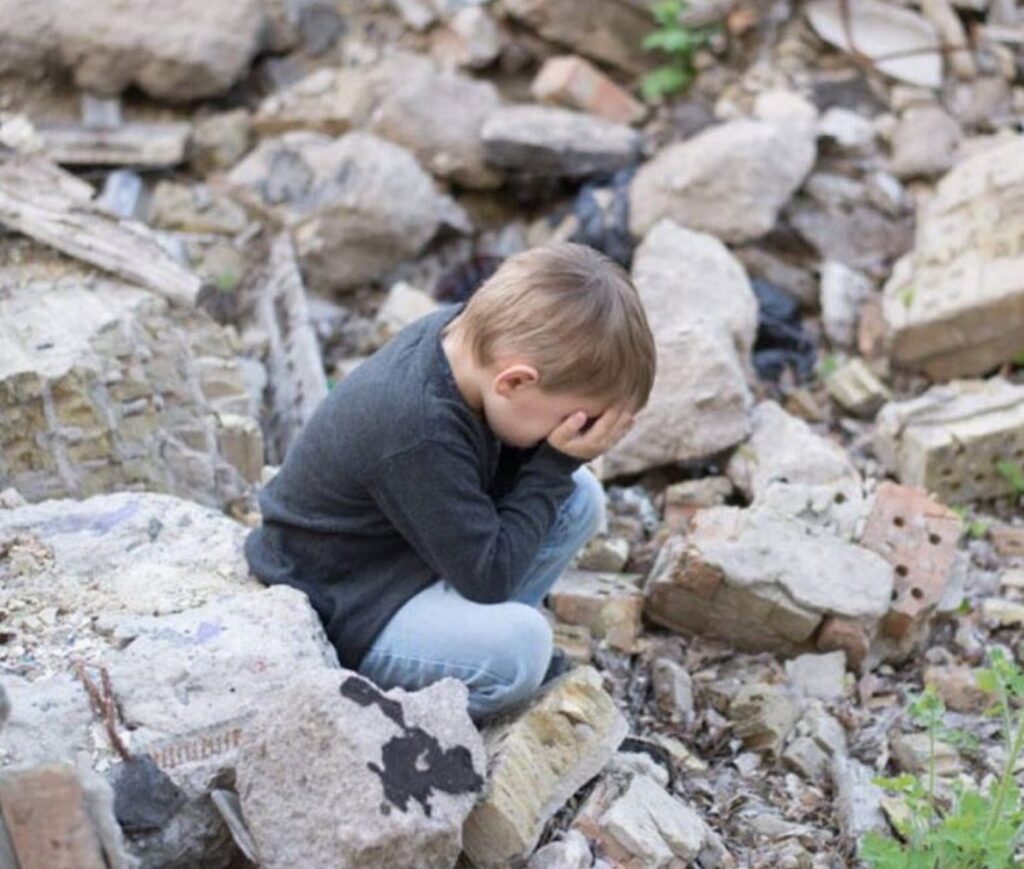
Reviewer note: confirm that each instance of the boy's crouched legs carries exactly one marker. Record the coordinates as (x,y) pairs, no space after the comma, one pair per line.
(501,651)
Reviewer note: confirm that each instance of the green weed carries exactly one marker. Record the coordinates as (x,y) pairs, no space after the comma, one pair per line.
(679,44)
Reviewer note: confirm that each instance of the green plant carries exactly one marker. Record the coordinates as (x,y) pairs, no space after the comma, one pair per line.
(828,366)
(975,830)
(679,43)
(1013,473)
(906,295)
(975,528)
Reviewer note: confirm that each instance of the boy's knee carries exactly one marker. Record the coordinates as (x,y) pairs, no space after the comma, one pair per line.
(590,503)
(520,660)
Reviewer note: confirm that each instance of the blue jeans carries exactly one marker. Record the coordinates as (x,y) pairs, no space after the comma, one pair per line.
(501,650)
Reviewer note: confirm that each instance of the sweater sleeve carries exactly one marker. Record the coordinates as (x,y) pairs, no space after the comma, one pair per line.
(431,493)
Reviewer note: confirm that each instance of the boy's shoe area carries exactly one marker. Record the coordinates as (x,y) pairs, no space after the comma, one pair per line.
(560,663)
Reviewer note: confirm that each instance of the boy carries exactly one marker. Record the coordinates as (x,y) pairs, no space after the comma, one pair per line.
(438,492)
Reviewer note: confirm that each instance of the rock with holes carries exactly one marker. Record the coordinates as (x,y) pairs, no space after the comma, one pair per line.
(609,604)
(537,762)
(334,772)
(787,467)
(954,306)
(157,590)
(918,536)
(730,180)
(764,580)
(548,141)
(104,386)
(961,440)
(355,206)
(609,31)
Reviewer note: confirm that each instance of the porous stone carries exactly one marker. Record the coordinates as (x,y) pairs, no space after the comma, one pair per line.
(355,206)
(609,604)
(610,31)
(537,761)
(954,306)
(178,52)
(951,439)
(102,387)
(392,776)
(576,83)
(730,180)
(550,141)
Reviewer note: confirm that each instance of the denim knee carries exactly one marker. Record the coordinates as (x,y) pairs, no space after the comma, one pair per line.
(520,660)
(585,509)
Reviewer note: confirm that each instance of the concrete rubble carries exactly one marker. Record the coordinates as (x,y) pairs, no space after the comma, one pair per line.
(610,605)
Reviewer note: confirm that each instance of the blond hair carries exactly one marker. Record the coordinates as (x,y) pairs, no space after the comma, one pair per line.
(574,314)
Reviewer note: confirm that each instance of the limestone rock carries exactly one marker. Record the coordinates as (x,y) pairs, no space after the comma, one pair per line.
(924,142)
(730,180)
(537,761)
(609,604)
(815,741)
(857,389)
(951,439)
(360,778)
(821,677)
(104,386)
(843,291)
(849,130)
(699,405)
(759,579)
(610,31)
(954,306)
(181,51)
(575,83)
(683,276)
(957,686)
(439,118)
(471,39)
(355,206)
(546,141)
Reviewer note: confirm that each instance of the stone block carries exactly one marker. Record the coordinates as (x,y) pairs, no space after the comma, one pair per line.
(857,389)
(537,761)
(918,536)
(576,83)
(952,439)
(609,604)
(954,306)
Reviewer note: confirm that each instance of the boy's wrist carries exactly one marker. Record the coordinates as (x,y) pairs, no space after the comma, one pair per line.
(549,455)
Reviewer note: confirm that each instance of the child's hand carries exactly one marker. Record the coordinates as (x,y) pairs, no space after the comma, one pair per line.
(606,431)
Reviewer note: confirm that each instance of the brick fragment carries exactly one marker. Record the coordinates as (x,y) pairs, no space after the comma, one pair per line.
(575,83)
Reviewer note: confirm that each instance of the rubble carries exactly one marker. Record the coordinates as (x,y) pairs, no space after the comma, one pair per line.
(730,180)
(951,305)
(395,775)
(820,677)
(471,39)
(574,83)
(609,604)
(537,762)
(843,291)
(405,304)
(855,387)
(951,439)
(762,716)
(545,140)
(924,142)
(355,206)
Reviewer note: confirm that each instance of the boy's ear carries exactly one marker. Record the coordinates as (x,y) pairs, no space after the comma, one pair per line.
(513,378)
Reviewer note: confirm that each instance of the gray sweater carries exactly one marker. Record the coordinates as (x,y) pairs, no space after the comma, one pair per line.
(396,482)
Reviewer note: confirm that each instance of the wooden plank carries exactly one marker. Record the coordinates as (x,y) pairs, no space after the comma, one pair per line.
(44,810)
(294,366)
(42,201)
(150,146)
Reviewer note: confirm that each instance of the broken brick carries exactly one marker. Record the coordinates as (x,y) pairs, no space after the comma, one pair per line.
(575,83)
(610,604)
(918,536)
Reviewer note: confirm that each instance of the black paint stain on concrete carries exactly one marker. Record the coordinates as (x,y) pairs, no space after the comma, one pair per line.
(415,765)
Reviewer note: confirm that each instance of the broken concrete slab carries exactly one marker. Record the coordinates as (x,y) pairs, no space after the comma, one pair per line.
(951,439)
(730,180)
(756,578)
(549,141)
(104,386)
(609,604)
(879,30)
(918,536)
(954,306)
(575,83)
(395,775)
(537,761)
(355,206)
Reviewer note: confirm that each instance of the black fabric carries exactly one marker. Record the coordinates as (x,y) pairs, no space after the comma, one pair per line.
(396,482)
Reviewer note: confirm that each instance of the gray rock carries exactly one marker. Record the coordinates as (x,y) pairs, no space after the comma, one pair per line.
(843,291)
(858,799)
(821,677)
(356,206)
(730,180)
(673,689)
(570,852)
(924,142)
(549,141)
(335,772)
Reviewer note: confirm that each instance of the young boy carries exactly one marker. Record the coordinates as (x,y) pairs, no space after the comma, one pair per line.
(438,492)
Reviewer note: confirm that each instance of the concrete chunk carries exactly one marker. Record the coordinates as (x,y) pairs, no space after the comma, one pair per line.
(952,439)
(609,604)
(539,760)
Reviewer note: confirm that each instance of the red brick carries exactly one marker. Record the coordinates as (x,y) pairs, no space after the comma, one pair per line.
(576,83)
(918,536)
(44,810)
